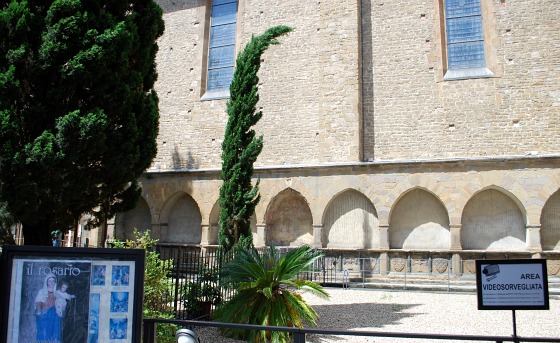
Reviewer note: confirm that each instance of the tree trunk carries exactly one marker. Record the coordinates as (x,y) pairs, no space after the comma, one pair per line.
(38,234)
(235,232)
(75,240)
(103,229)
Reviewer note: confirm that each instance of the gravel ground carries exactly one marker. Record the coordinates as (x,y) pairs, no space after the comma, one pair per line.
(415,312)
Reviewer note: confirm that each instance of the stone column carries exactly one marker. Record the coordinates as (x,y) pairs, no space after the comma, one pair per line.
(317,235)
(213,234)
(204,239)
(154,230)
(383,236)
(455,236)
(260,240)
(162,231)
(534,237)
(384,263)
(384,245)
(456,264)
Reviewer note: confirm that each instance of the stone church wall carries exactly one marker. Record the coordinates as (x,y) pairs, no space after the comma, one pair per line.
(309,85)
(367,149)
(412,113)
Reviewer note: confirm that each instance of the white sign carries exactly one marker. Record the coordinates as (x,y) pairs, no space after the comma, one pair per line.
(512,284)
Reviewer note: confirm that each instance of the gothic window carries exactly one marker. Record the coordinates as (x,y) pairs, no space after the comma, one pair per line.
(221,51)
(464,37)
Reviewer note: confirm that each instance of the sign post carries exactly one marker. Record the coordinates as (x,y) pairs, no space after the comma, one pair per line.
(512,285)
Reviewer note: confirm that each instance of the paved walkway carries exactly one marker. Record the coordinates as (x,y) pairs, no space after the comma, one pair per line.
(424,312)
(416,312)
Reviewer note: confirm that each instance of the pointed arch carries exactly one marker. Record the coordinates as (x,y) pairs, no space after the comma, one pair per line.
(180,220)
(350,221)
(288,220)
(550,223)
(139,218)
(419,220)
(215,225)
(492,220)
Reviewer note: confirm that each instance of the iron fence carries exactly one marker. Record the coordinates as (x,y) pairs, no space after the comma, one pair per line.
(194,287)
(300,334)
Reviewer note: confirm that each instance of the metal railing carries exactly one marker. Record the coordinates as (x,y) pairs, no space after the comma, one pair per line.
(188,268)
(299,334)
(366,270)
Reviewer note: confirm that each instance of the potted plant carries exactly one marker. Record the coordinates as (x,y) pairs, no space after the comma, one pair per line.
(202,293)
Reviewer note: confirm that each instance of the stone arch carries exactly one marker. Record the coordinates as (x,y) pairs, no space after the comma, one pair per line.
(350,221)
(419,220)
(412,181)
(288,220)
(139,217)
(215,225)
(492,220)
(180,220)
(550,223)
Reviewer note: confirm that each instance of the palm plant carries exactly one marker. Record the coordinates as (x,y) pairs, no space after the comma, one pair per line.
(268,293)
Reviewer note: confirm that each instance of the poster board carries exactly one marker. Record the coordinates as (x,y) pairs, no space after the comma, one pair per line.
(64,295)
(512,284)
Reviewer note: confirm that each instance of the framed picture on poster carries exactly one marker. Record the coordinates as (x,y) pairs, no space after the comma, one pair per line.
(63,295)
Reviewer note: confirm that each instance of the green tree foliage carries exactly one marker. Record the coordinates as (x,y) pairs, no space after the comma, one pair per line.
(6,223)
(78,113)
(268,293)
(156,288)
(241,148)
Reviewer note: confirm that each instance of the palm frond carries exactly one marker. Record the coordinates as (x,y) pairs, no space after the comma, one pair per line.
(268,292)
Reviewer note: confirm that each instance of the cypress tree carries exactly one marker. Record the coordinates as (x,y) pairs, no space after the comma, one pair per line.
(241,147)
(78,113)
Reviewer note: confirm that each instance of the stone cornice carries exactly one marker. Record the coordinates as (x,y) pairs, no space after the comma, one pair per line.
(498,162)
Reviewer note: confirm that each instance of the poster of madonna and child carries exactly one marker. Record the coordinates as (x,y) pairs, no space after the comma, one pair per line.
(66,299)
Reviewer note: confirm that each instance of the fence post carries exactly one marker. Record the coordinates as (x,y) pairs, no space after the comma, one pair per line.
(150,329)
(299,337)
(449,264)
(406,269)
(430,267)
(178,260)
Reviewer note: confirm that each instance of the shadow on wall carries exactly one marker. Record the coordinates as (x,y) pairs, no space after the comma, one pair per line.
(187,162)
(180,220)
(288,219)
(169,6)
(367,80)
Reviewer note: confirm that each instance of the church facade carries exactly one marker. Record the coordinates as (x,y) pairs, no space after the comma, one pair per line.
(418,130)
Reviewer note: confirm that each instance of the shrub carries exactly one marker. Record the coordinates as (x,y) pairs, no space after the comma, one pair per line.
(268,292)
(156,289)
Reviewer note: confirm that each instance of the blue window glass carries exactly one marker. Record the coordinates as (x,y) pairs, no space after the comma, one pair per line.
(220,78)
(465,38)
(222,35)
(224,14)
(221,57)
(221,53)
(222,2)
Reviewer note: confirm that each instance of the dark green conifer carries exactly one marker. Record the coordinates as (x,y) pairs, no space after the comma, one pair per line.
(241,148)
(78,113)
